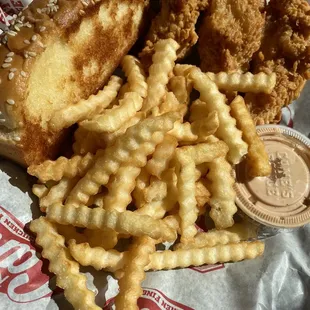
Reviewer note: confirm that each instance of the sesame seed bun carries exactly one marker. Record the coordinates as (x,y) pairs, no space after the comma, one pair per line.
(56,53)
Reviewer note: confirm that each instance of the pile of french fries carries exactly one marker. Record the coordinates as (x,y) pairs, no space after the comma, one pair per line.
(147,162)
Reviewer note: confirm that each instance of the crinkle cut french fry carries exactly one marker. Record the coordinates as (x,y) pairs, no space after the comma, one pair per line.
(188,211)
(181,87)
(183,132)
(86,108)
(110,138)
(62,167)
(162,156)
(86,142)
(113,119)
(40,190)
(169,104)
(125,222)
(142,181)
(120,188)
(183,70)
(106,239)
(113,260)
(205,152)
(58,193)
(69,232)
(97,257)
(163,63)
(63,265)
(257,157)
(244,82)
(130,283)
(215,101)
(202,195)
(156,191)
(133,147)
(222,199)
(135,75)
(158,209)
(234,234)
(233,252)
(198,110)
(206,126)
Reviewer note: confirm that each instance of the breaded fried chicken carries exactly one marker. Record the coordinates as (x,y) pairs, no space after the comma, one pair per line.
(176,20)
(285,50)
(230,34)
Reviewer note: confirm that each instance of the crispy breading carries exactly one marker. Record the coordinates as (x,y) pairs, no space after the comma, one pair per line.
(176,20)
(230,34)
(285,50)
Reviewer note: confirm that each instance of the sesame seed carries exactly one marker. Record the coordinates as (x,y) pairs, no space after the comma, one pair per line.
(10,54)
(17,139)
(8,59)
(16,28)
(6,65)
(13,70)
(20,13)
(23,73)
(11,76)
(82,12)
(34,38)
(42,28)
(26,41)
(41,44)
(39,10)
(12,33)
(22,18)
(10,101)
(28,25)
(84,3)
(32,54)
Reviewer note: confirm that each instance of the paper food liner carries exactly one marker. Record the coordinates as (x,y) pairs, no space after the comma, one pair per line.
(278,280)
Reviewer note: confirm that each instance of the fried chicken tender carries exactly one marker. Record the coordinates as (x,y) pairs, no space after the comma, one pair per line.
(285,50)
(176,20)
(230,34)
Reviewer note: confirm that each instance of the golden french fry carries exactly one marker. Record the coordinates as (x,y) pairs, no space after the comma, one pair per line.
(142,182)
(182,88)
(109,138)
(133,147)
(120,188)
(135,75)
(63,265)
(156,191)
(40,190)
(169,104)
(202,195)
(86,108)
(188,211)
(69,232)
(257,157)
(211,238)
(106,239)
(113,119)
(205,127)
(181,258)
(62,167)
(130,283)
(86,142)
(198,111)
(163,63)
(162,156)
(97,257)
(183,132)
(158,209)
(204,152)
(183,70)
(125,222)
(222,199)
(215,101)
(58,193)
(233,252)
(244,82)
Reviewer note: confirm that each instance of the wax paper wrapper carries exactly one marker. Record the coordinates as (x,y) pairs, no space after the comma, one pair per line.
(278,280)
